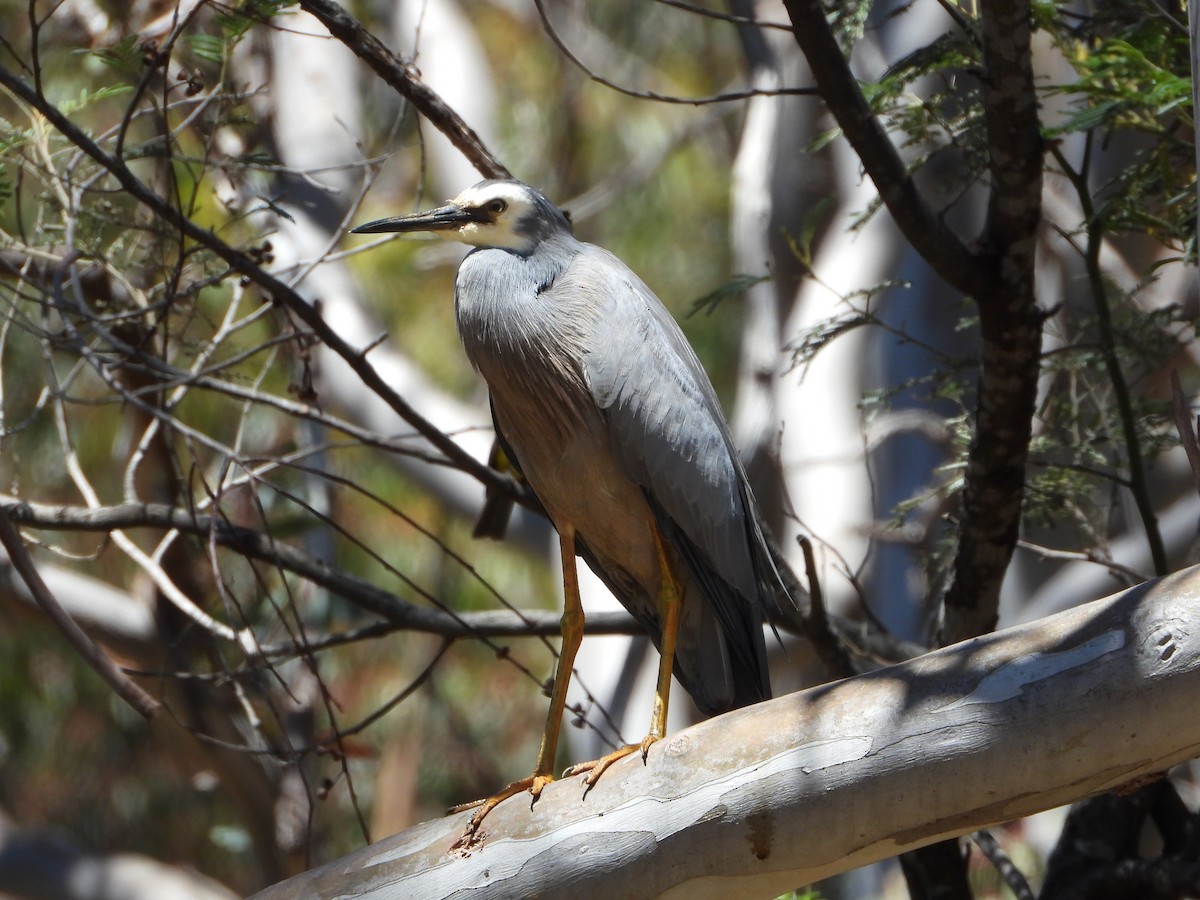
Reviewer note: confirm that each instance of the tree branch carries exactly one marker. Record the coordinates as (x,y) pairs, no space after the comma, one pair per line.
(246,265)
(799,788)
(724,97)
(998,275)
(919,224)
(406,80)
(256,545)
(1010,325)
(143,703)
(844,641)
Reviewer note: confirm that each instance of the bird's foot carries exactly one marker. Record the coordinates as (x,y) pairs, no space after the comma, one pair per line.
(597,767)
(535,784)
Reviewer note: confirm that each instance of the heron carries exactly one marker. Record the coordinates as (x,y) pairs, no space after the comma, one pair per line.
(602,406)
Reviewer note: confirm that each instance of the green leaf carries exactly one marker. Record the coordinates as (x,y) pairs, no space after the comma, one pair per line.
(736,286)
(86,98)
(124,56)
(207,47)
(235,24)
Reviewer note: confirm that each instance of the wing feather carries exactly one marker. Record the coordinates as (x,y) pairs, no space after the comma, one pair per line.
(669,435)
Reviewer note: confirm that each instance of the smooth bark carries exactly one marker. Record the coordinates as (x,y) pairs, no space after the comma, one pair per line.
(790,791)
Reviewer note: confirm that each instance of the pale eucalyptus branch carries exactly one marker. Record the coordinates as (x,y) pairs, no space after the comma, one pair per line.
(796,789)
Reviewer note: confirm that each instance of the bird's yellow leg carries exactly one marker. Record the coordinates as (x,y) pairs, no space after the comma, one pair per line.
(572,635)
(668,605)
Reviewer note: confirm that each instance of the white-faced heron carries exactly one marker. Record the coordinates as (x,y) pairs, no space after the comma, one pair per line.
(601,403)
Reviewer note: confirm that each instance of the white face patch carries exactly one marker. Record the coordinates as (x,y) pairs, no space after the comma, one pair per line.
(504,206)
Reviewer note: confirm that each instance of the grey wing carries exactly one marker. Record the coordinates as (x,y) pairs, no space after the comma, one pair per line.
(669,435)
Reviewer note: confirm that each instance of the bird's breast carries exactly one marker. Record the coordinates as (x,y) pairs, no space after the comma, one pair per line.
(529,342)
(566,455)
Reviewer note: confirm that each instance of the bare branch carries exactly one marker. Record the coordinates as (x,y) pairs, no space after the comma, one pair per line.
(255,545)
(142,702)
(724,17)
(725,97)
(244,264)
(406,80)
(1010,874)
(1185,425)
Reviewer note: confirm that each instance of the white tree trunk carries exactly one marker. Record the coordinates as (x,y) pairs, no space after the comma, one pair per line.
(797,789)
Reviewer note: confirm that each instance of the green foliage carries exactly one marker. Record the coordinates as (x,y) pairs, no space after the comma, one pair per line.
(849,21)
(236,22)
(1121,129)
(1134,82)
(210,48)
(126,55)
(133,361)
(1126,81)
(809,893)
(138,358)
(825,332)
(1132,93)
(734,287)
(87,98)
(931,101)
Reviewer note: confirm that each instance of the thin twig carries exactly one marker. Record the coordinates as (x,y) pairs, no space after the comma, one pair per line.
(1014,879)
(654,95)
(1126,415)
(1130,576)
(243,264)
(400,697)
(1185,427)
(831,649)
(255,545)
(404,77)
(725,17)
(143,703)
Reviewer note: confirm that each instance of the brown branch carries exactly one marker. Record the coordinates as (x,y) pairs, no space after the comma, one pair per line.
(244,264)
(802,787)
(1014,878)
(726,97)
(1010,325)
(256,545)
(925,230)
(406,80)
(842,643)
(998,275)
(1186,428)
(142,702)
(1010,107)
(832,650)
(725,17)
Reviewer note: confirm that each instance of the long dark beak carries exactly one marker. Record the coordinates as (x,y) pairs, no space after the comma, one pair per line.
(444,218)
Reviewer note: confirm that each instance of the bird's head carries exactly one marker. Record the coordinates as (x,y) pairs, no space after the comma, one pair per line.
(504,214)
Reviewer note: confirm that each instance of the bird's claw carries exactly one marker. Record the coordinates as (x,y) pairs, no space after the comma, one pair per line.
(535,784)
(647,741)
(598,767)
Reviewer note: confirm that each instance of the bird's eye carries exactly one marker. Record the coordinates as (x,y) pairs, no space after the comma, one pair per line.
(496,207)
